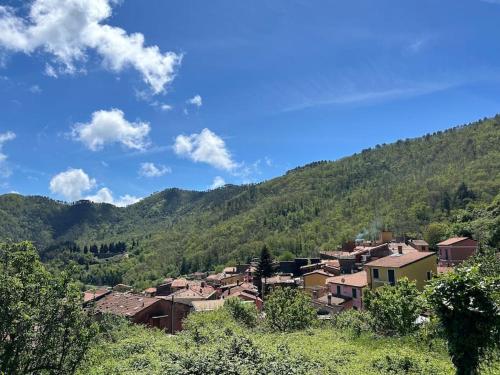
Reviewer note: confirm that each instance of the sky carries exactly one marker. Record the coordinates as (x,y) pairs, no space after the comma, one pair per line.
(112,100)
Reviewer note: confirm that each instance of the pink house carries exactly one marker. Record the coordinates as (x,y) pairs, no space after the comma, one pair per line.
(349,287)
(455,250)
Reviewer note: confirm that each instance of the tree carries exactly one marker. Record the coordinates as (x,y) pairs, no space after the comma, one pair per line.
(287,256)
(43,327)
(467,305)
(435,233)
(394,308)
(289,309)
(264,268)
(242,312)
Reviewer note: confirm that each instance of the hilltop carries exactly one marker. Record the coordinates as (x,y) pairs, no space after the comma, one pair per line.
(403,186)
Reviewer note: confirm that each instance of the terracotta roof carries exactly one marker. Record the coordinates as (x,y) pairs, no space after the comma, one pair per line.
(400,260)
(179,283)
(321,272)
(229,270)
(193,292)
(124,304)
(209,305)
(91,295)
(216,276)
(278,279)
(451,241)
(393,246)
(150,290)
(335,301)
(332,263)
(358,279)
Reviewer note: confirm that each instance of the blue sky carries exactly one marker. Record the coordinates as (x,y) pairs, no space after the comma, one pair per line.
(215,92)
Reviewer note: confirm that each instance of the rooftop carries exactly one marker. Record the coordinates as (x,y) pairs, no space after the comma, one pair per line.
(358,279)
(209,305)
(91,295)
(453,240)
(124,304)
(420,242)
(400,260)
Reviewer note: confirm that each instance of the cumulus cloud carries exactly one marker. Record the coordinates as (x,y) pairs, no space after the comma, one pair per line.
(217,183)
(196,101)
(68,29)
(71,184)
(5,171)
(105,195)
(111,127)
(206,147)
(152,170)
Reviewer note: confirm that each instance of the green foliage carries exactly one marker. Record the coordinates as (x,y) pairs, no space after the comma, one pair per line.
(286,256)
(435,233)
(467,305)
(394,308)
(353,321)
(43,328)
(243,312)
(213,343)
(450,177)
(289,309)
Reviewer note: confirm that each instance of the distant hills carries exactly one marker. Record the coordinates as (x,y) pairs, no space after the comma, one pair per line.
(451,177)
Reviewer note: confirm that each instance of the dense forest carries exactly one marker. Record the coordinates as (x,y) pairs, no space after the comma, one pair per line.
(437,185)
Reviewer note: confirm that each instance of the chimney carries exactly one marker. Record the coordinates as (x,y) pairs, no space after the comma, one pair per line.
(202,284)
(329,299)
(237,282)
(400,249)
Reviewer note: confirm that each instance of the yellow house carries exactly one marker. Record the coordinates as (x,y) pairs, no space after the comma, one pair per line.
(417,266)
(315,280)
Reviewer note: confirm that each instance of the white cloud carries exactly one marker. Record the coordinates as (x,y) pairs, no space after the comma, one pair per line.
(67,29)
(71,184)
(217,183)
(105,195)
(152,170)
(111,127)
(35,89)
(166,107)
(196,100)
(206,147)
(5,171)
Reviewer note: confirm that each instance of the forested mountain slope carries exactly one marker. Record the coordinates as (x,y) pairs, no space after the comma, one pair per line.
(450,177)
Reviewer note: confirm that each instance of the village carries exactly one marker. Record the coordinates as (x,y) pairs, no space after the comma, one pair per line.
(335,281)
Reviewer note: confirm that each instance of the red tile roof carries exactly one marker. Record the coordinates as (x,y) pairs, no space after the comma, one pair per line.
(400,260)
(91,295)
(124,304)
(451,241)
(358,279)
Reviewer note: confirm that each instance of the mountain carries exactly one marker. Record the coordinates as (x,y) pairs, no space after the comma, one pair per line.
(450,177)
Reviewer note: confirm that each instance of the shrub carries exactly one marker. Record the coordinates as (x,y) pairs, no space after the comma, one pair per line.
(289,309)
(394,308)
(242,312)
(353,321)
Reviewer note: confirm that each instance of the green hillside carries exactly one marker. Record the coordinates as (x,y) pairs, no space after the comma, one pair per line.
(450,177)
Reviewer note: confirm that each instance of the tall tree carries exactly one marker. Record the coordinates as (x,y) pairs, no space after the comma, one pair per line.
(466,302)
(43,327)
(264,267)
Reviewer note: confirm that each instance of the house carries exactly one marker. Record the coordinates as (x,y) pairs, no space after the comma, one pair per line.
(165,288)
(150,311)
(94,295)
(418,266)
(329,304)
(150,292)
(228,279)
(419,245)
(455,250)
(193,292)
(315,280)
(207,305)
(350,288)
(270,283)
(397,247)
(351,261)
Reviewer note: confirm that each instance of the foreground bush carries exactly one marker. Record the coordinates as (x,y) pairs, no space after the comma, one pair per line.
(43,328)
(289,309)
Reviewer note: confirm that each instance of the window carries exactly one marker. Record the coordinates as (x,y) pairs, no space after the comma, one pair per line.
(391,276)
(354,293)
(375,273)
(429,275)
(338,290)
